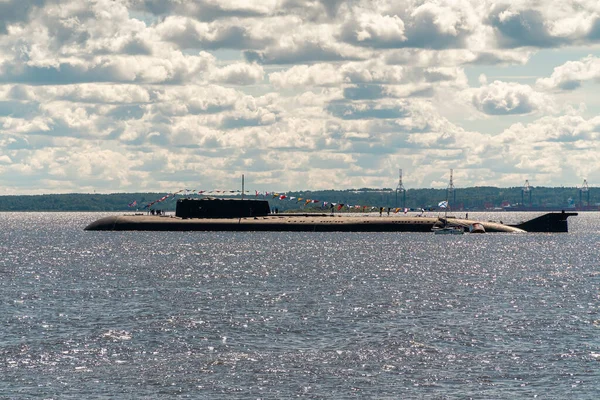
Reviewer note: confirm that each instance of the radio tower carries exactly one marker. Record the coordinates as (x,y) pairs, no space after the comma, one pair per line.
(526,188)
(400,188)
(584,188)
(450,189)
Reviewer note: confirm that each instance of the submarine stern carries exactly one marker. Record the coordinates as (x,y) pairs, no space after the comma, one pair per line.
(549,223)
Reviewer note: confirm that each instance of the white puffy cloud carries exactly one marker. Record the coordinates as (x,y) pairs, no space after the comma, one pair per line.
(502,98)
(189,33)
(238,74)
(414,24)
(305,75)
(550,149)
(370,79)
(571,74)
(102,93)
(306,44)
(371,28)
(126,69)
(544,24)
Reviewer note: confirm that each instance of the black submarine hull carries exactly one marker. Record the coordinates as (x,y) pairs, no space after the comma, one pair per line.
(265,224)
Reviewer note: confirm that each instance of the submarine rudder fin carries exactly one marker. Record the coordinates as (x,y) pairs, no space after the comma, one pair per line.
(550,223)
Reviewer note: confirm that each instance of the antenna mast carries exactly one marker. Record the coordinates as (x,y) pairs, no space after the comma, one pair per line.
(450,188)
(400,188)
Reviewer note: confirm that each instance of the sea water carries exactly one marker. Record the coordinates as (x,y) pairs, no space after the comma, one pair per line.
(273,315)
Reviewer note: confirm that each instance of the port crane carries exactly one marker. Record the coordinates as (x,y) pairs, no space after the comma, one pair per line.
(584,188)
(400,188)
(526,189)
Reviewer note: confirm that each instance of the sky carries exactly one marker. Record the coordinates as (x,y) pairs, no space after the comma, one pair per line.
(159,95)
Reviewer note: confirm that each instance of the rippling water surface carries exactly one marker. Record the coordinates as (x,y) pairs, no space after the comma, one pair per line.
(312,315)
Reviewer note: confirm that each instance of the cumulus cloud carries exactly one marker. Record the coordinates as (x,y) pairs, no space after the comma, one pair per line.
(522,23)
(522,28)
(367,110)
(189,33)
(550,148)
(177,69)
(412,24)
(305,75)
(16,11)
(238,74)
(371,79)
(502,98)
(96,93)
(570,75)
(370,29)
(195,100)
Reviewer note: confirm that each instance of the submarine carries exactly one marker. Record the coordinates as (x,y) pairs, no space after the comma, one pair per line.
(214,214)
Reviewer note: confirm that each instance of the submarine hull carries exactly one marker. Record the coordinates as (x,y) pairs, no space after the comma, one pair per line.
(297,223)
(208,214)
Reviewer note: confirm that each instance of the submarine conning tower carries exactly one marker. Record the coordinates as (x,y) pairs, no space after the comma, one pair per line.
(221,208)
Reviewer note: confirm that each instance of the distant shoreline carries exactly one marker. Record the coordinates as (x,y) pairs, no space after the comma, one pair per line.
(480,199)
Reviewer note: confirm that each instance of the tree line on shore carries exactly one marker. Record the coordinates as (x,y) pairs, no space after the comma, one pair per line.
(473,198)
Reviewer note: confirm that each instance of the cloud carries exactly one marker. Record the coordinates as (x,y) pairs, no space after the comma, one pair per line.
(122,113)
(14,125)
(375,30)
(502,98)
(550,148)
(195,100)
(311,10)
(178,68)
(524,28)
(364,92)
(77,29)
(369,79)
(188,33)
(521,23)
(305,75)
(238,74)
(147,94)
(295,41)
(16,11)
(207,10)
(456,57)
(303,51)
(413,25)
(563,129)
(102,93)
(18,109)
(367,110)
(570,75)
